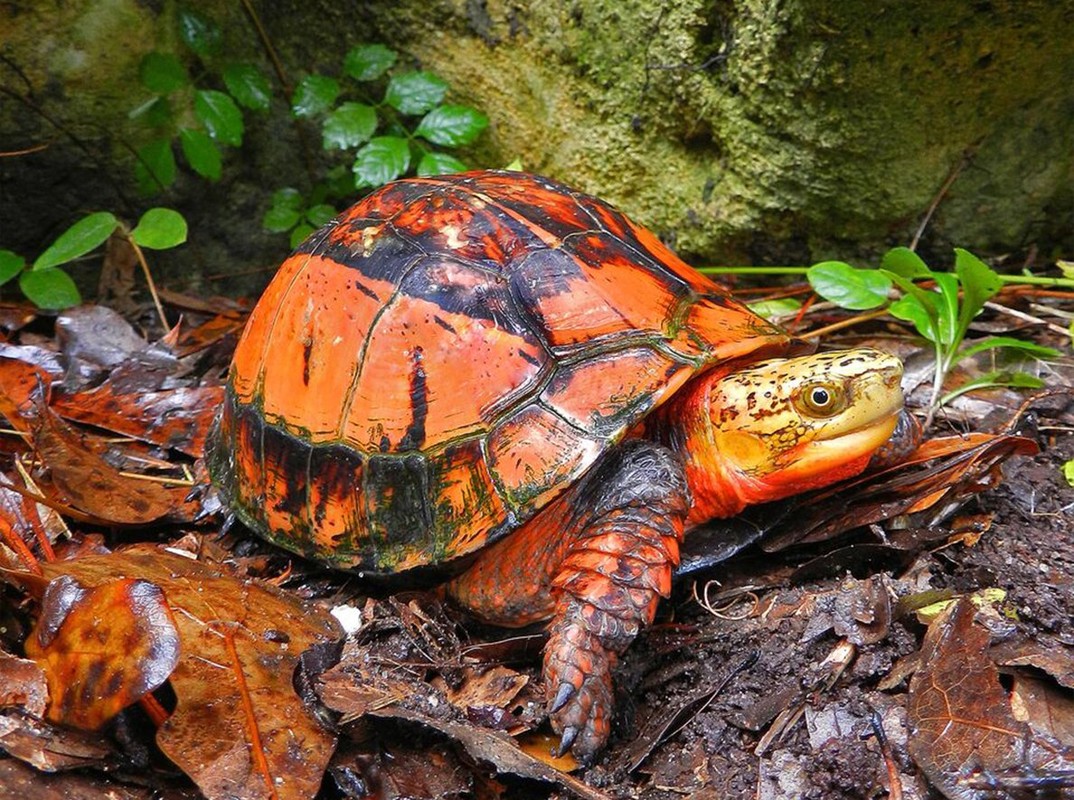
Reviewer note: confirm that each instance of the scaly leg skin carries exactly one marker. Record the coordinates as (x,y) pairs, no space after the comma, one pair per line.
(629,517)
(596,562)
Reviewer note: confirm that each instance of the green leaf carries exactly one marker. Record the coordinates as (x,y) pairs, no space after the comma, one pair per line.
(905,262)
(49,288)
(11,264)
(770,309)
(162,73)
(1067,268)
(287,198)
(349,126)
(452,125)
(321,214)
(314,95)
(439,164)
(415,92)
(979,285)
(87,234)
(201,153)
(911,310)
(280,220)
(220,116)
(155,168)
(384,159)
(993,380)
(367,62)
(199,33)
(1068,471)
(948,308)
(160,229)
(158,114)
(1010,343)
(248,86)
(515,165)
(848,287)
(300,234)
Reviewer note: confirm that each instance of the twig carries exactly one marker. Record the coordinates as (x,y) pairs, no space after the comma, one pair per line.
(148,276)
(843,323)
(1011,312)
(967,156)
(277,65)
(37,148)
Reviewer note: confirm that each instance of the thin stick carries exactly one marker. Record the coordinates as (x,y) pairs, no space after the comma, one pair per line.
(148,277)
(1011,312)
(952,176)
(844,323)
(269,49)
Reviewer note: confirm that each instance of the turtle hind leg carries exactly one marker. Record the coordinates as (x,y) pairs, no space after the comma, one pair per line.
(628,516)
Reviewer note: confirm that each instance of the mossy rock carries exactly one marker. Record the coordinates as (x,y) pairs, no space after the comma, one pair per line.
(741,132)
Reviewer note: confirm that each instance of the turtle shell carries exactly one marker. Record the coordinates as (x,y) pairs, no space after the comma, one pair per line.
(446,357)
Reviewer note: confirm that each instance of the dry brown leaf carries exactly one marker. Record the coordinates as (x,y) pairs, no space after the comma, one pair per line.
(102,648)
(239,730)
(961,723)
(174,418)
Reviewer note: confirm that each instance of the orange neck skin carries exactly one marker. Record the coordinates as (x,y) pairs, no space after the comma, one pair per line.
(683,425)
(718,488)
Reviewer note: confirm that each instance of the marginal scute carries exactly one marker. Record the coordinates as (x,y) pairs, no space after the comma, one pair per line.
(439,363)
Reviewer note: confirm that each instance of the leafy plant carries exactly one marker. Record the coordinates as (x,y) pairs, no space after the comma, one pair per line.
(48,286)
(387,124)
(941,310)
(292,212)
(202,119)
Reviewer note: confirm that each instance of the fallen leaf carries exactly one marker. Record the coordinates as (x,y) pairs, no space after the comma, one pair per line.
(102,648)
(174,418)
(1047,654)
(91,484)
(19,782)
(239,730)
(961,724)
(495,749)
(22,685)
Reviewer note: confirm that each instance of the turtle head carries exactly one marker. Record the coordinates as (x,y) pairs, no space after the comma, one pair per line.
(785,426)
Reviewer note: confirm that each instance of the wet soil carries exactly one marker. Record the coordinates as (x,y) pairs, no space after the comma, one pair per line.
(831,752)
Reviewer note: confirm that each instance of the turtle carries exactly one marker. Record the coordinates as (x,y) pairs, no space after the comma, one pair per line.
(496,374)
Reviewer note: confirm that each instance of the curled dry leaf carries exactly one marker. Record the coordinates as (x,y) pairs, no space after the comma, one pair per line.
(102,648)
(966,466)
(495,749)
(87,481)
(961,723)
(239,730)
(22,685)
(90,483)
(174,418)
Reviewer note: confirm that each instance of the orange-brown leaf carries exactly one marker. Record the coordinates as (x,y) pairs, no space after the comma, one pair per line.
(90,483)
(239,729)
(102,648)
(175,418)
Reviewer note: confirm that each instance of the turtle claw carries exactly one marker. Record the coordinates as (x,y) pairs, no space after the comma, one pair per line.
(565,693)
(570,733)
(579,690)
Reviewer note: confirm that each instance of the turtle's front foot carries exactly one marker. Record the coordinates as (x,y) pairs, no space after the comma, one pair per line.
(578,685)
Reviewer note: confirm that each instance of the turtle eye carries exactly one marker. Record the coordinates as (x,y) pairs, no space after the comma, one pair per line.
(822,399)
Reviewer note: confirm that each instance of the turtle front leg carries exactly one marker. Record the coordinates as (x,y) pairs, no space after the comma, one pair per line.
(596,562)
(624,543)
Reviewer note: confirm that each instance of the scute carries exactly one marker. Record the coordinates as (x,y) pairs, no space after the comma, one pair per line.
(442,360)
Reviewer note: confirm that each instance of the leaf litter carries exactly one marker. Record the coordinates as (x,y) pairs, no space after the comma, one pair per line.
(408,706)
